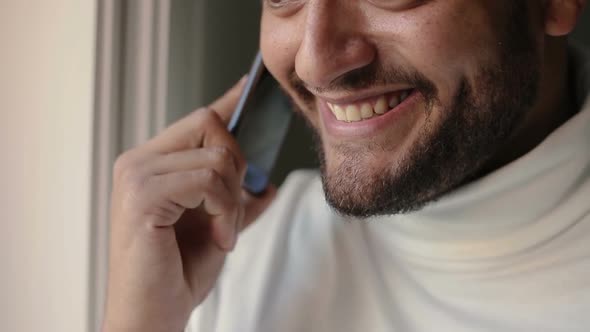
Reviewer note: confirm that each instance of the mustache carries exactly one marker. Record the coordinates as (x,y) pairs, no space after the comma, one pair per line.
(369,76)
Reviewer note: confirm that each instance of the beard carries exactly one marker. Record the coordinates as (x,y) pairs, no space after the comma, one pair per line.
(481,117)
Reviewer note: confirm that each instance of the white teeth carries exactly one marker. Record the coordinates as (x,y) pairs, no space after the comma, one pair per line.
(353,113)
(381,106)
(403,96)
(366,111)
(393,102)
(340,113)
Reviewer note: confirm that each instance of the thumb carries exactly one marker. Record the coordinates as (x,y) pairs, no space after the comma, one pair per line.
(226,104)
(255,206)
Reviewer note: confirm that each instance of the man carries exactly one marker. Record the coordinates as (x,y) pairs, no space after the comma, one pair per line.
(455,168)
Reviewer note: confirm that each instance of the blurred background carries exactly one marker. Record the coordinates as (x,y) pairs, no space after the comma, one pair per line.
(81,81)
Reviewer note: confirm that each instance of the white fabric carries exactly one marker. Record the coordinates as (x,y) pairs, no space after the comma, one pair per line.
(509,252)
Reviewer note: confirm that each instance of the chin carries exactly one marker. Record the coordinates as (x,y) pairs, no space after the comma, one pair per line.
(363,181)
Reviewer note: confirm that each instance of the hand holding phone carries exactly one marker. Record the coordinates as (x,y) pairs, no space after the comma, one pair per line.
(177,208)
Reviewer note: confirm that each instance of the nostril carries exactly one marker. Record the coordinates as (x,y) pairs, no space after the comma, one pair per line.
(321,62)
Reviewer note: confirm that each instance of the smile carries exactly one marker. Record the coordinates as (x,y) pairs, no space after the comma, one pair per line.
(367,109)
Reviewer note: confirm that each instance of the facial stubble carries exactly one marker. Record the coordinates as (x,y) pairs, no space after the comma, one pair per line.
(483,115)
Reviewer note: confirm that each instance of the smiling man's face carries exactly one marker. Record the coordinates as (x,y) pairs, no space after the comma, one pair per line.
(409,99)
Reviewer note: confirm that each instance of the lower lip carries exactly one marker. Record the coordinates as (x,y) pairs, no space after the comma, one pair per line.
(368,127)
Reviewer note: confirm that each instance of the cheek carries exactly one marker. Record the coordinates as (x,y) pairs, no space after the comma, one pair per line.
(437,40)
(278,44)
(280,39)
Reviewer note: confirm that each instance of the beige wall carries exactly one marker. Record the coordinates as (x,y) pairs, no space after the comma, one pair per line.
(46,100)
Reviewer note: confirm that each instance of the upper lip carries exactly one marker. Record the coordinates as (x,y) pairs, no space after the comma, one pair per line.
(355,97)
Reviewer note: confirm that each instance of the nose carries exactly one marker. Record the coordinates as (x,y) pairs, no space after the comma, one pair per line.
(333,43)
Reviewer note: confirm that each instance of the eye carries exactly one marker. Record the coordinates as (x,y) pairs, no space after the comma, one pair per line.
(284,7)
(280,3)
(399,4)
(276,3)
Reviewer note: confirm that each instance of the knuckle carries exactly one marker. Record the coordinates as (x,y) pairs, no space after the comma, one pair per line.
(134,186)
(223,153)
(126,165)
(208,117)
(167,211)
(130,195)
(127,172)
(122,163)
(209,177)
(224,160)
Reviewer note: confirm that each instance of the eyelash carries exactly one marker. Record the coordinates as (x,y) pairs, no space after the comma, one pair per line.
(284,7)
(279,3)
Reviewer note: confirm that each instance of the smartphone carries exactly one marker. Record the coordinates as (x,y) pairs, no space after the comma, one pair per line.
(259,124)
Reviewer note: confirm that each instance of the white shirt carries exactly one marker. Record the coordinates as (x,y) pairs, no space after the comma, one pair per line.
(508,252)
